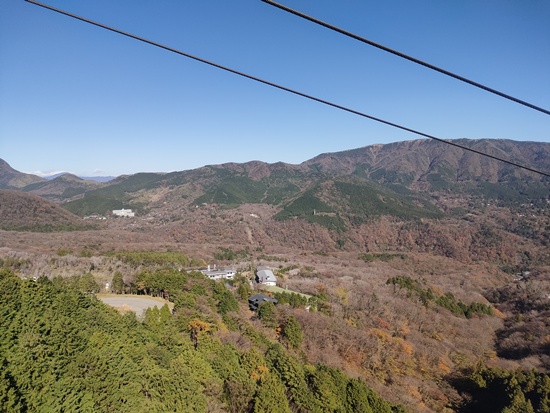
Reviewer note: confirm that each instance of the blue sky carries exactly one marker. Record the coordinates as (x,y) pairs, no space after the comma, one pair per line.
(77,98)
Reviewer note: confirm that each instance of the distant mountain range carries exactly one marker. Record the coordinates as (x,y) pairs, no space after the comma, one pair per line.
(86,178)
(406,180)
(13,179)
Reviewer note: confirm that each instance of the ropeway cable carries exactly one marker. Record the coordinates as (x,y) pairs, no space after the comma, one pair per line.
(286,89)
(407,57)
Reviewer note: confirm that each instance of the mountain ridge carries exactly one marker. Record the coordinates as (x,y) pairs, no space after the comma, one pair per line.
(61,188)
(86,178)
(422,155)
(411,250)
(429,154)
(13,179)
(406,180)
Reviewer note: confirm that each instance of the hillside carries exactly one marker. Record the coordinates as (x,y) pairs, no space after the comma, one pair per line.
(433,166)
(417,196)
(396,175)
(420,196)
(415,327)
(88,357)
(12,179)
(428,270)
(27,212)
(62,188)
(405,172)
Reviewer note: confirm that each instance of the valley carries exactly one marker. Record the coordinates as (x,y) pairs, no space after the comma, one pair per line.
(429,268)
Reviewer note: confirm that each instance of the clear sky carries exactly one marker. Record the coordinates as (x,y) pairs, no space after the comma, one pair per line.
(77,98)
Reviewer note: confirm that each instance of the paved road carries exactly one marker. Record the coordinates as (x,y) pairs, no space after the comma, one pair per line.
(136,304)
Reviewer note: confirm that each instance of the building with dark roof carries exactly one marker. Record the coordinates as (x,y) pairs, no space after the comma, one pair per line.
(255,300)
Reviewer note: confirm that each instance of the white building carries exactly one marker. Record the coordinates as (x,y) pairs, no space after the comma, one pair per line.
(123,212)
(215,274)
(266,277)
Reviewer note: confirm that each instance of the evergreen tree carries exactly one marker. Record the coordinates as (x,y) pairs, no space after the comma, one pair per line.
(239,390)
(519,404)
(63,350)
(251,360)
(292,332)
(325,393)
(227,302)
(267,313)
(117,284)
(271,397)
(88,284)
(10,398)
(357,400)
(243,290)
(292,374)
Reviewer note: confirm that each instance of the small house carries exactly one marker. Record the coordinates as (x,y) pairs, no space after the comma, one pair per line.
(255,300)
(266,277)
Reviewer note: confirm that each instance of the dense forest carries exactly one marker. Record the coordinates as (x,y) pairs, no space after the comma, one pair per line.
(63,350)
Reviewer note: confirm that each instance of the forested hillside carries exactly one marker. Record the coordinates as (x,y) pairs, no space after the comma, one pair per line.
(422,273)
(408,180)
(62,350)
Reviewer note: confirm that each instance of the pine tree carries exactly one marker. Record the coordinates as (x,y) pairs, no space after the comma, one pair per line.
(267,313)
(243,290)
(519,404)
(357,398)
(271,397)
(239,390)
(292,332)
(117,285)
(292,374)
(10,398)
